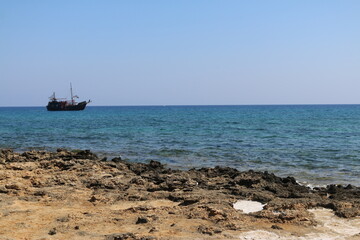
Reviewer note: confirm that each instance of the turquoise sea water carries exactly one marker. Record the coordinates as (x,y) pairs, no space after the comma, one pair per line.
(317,144)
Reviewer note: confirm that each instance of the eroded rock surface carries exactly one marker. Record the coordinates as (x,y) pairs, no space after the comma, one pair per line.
(76,195)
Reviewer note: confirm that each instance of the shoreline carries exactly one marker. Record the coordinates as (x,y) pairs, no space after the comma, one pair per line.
(305,181)
(77,195)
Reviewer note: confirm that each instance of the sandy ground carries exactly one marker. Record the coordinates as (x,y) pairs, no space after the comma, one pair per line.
(75,195)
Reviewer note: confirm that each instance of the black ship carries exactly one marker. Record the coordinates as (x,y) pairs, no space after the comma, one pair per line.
(55,104)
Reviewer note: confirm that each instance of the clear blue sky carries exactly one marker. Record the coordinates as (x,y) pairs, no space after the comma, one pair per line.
(180,52)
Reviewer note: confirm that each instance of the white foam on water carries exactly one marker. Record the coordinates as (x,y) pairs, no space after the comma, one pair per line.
(330,227)
(248,206)
(311,186)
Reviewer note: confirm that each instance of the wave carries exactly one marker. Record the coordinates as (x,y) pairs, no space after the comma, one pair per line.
(166,152)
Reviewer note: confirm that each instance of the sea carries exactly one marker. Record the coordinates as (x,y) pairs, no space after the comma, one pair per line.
(316,144)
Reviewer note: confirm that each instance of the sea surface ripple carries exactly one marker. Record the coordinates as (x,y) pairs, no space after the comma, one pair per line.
(316,144)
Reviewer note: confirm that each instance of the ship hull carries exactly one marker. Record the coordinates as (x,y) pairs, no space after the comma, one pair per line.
(58,106)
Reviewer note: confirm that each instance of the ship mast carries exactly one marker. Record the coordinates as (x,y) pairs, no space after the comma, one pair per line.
(72,98)
(52,97)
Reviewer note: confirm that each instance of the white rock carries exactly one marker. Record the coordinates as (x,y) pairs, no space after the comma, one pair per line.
(330,227)
(248,206)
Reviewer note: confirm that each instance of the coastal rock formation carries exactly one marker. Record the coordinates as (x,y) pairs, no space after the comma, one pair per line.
(76,195)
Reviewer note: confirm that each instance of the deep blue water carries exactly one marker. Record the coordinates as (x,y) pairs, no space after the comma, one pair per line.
(317,144)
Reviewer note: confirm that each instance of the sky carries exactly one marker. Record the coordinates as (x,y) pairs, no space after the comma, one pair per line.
(203,52)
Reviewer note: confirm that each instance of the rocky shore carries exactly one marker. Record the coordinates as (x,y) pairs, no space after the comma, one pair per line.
(76,195)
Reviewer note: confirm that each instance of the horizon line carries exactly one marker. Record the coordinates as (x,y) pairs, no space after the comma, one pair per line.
(199,105)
